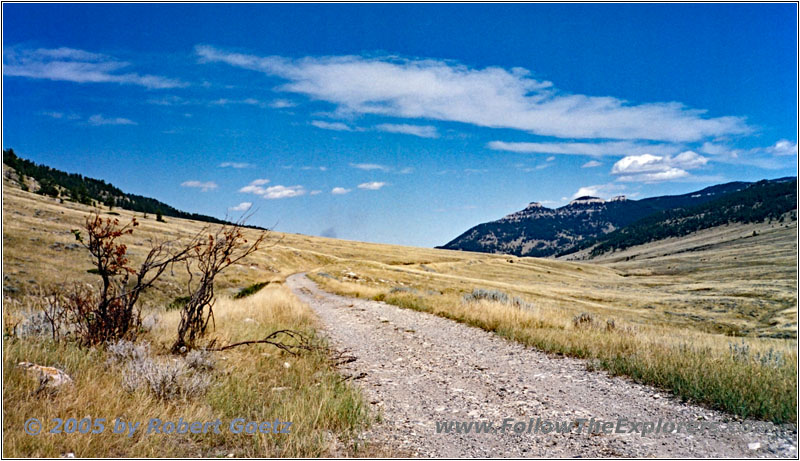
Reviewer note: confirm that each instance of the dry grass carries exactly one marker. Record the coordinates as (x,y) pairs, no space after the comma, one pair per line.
(251,382)
(675,317)
(695,365)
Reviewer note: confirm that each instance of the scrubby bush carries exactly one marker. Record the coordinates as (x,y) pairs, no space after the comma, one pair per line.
(251,290)
(497,296)
(167,380)
(584,320)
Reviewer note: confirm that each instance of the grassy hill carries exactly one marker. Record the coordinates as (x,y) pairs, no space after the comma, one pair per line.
(716,326)
(74,187)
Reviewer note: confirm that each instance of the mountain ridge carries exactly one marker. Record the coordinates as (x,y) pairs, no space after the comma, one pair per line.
(542,232)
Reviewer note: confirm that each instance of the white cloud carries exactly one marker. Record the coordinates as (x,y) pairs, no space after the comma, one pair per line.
(375,185)
(244,206)
(591,164)
(655,168)
(771,157)
(489,97)
(273,192)
(246,102)
(98,120)
(309,168)
(276,192)
(783,147)
(406,170)
(315,192)
(237,165)
(370,166)
(585,148)
(550,159)
(425,131)
(255,187)
(339,191)
(281,104)
(600,190)
(72,65)
(335,126)
(203,186)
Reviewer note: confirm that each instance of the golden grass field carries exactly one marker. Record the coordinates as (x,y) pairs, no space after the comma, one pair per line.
(675,315)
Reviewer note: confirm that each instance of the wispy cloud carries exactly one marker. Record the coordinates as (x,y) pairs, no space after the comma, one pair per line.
(246,102)
(655,168)
(72,65)
(98,120)
(591,164)
(203,186)
(273,192)
(244,206)
(310,168)
(616,148)
(339,191)
(423,131)
(236,165)
(370,166)
(335,126)
(375,185)
(281,104)
(488,97)
(779,155)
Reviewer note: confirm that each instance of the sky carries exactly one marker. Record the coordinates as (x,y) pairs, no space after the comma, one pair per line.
(401,123)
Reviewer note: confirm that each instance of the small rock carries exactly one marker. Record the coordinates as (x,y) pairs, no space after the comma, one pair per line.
(754,446)
(48,376)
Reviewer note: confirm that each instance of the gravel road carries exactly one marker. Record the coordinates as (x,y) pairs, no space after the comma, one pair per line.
(418,370)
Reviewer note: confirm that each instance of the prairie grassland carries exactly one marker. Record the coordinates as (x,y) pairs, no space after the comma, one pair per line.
(695,322)
(258,383)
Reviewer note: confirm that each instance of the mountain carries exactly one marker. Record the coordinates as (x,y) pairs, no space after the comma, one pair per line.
(88,191)
(541,232)
(764,200)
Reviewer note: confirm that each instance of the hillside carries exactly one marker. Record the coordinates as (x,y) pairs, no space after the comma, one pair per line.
(659,320)
(762,201)
(543,232)
(74,187)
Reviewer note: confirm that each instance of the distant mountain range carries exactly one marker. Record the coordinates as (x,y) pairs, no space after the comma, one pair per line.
(619,223)
(89,191)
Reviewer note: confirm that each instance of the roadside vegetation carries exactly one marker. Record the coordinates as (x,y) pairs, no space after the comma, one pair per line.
(259,383)
(257,358)
(715,325)
(746,377)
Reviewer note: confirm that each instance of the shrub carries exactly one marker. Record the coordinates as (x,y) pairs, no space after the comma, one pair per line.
(123,351)
(210,256)
(167,380)
(584,320)
(252,289)
(496,296)
(110,313)
(178,303)
(200,359)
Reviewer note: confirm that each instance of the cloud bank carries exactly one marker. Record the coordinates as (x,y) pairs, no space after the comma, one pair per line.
(490,97)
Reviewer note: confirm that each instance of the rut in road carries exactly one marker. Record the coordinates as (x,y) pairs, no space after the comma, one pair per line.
(421,369)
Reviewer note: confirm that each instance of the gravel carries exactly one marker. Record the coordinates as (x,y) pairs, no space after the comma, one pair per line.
(419,369)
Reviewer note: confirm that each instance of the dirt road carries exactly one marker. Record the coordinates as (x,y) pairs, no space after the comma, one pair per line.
(421,370)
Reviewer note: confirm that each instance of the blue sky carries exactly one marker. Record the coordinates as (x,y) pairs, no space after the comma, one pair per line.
(401,123)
